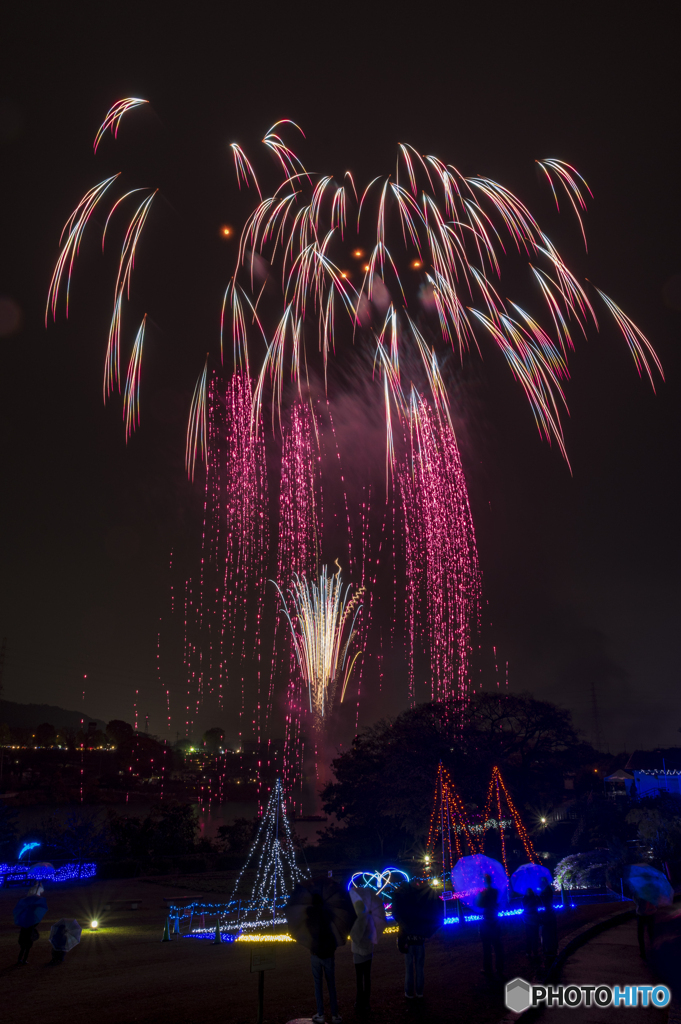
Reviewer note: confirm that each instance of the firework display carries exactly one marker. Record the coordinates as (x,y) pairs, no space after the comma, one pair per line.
(224,605)
(338,294)
(131,396)
(321,611)
(440,549)
(114,116)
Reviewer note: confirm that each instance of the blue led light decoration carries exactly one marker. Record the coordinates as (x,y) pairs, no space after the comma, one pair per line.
(531,876)
(277,873)
(383,882)
(25,872)
(26,848)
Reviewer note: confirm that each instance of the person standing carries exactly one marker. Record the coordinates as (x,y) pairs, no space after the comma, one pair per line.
(645,922)
(58,941)
(549,924)
(363,939)
(490,932)
(414,949)
(531,916)
(27,936)
(322,959)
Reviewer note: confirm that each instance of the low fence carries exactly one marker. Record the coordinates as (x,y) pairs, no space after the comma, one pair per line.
(566,898)
(577,897)
(199,918)
(237,918)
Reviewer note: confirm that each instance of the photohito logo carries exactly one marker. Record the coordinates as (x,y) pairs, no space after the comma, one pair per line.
(520,995)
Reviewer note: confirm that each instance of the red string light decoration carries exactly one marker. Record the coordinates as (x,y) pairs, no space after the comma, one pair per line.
(494,793)
(448,815)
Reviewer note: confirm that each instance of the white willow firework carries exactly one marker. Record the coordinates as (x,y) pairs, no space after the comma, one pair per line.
(321,612)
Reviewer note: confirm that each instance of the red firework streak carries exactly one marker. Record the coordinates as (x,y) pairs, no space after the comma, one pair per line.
(300,516)
(435,242)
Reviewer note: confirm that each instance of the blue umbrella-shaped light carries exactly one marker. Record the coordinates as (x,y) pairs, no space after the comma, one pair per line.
(468,878)
(29,911)
(530,876)
(649,884)
(42,870)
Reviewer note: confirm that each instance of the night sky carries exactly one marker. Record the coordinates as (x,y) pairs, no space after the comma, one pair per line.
(581,571)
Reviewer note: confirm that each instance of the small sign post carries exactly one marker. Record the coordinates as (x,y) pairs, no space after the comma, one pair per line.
(261,961)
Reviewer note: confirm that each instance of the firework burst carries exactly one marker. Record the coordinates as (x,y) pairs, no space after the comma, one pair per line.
(114,116)
(408,270)
(131,397)
(321,611)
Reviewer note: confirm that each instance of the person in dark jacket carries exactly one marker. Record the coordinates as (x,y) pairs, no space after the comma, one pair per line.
(27,936)
(363,936)
(322,958)
(645,922)
(531,916)
(490,932)
(414,949)
(59,938)
(549,924)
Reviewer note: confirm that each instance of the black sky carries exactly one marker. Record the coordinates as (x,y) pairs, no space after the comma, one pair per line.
(581,572)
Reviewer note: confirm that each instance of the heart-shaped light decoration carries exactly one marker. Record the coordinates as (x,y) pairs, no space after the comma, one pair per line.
(383,882)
